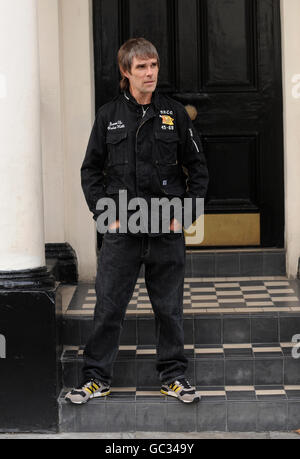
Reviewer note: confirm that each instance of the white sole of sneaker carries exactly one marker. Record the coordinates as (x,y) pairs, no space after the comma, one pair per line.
(172,394)
(76,403)
(104,394)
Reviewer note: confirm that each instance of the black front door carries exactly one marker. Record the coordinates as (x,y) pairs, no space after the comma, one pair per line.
(223,58)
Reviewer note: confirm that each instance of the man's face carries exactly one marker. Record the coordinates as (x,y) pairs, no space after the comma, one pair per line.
(143,76)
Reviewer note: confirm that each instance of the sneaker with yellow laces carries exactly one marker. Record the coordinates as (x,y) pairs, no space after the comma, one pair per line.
(86,391)
(182,390)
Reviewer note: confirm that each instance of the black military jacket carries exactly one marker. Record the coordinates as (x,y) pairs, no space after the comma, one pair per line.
(151,152)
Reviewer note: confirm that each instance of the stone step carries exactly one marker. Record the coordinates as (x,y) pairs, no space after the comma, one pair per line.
(227,365)
(227,409)
(235,262)
(216,311)
(199,330)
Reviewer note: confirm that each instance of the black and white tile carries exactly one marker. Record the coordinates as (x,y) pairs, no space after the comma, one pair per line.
(206,296)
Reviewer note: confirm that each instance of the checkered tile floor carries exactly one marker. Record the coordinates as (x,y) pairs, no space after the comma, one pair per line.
(197,351)
(208,296)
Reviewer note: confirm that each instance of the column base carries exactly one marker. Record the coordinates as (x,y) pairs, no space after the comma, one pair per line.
(28,279)
(66,269)
(30,368)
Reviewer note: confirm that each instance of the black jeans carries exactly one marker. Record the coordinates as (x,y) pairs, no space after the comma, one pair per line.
(119,264)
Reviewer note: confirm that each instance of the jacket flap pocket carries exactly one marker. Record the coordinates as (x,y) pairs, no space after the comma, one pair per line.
(116,138)
(167,136)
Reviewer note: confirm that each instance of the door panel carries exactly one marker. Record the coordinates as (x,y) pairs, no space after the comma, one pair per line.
(222,42)
(224,58)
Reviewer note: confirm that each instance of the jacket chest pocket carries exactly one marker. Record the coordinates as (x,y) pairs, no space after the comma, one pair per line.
(166,147)
(117,149)
(167,164)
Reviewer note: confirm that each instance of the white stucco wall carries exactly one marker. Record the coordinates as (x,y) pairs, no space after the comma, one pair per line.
(78,103)
(290,14)
(67,86)
(51,119)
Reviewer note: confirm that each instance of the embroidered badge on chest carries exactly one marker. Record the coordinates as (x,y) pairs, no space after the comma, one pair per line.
(167,120)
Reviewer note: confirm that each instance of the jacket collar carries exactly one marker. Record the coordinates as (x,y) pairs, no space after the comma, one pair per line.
(131,100)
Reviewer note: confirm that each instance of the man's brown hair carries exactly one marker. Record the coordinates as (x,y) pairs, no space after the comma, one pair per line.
(135,47)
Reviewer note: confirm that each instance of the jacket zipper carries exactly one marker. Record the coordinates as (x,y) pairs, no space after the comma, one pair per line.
(136,140)
(192,137)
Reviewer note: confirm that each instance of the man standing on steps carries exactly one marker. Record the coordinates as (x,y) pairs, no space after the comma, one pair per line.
(142,143)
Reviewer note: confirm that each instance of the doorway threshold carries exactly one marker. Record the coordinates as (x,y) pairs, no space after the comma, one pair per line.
(236,262)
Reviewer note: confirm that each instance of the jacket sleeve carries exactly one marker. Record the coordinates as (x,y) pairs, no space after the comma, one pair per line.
(92,170)
(194,162)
